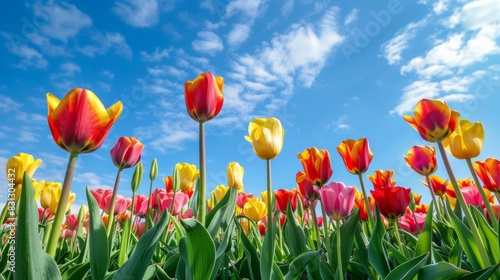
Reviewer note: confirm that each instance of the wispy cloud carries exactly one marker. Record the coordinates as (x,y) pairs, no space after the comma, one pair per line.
(208,42)
(238,34)
(393,48)
(351,17)
(138,13)
(155,56)
(103,42)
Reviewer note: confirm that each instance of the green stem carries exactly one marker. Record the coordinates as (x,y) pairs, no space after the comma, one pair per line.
(4,214)
(111,214)
(465,209)
(339,252)
(428,179)
(269,194)
(325,232)
(396,234)
(61,208)
(150,204)
(367,202)
(202,194)
(315,223)
(483,195)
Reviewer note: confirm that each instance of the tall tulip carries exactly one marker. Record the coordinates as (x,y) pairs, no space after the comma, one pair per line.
(317,165)
(204,101)
(392,202)
(235,176)
(306,188)
(357,157)
(127,152)
(266,137)
(466,141)
(79,124)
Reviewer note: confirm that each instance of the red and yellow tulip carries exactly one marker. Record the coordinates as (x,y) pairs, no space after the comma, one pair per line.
(127,152)
(489,172)
(317,165)
(204,97)
(422,159)
(382,179)
(356,155)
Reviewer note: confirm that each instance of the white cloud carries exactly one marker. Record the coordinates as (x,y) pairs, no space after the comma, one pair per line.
(29,56)
(93,180)
(138,13)
(479,13)
(67,69)
(208,42)
(351,17)
(8,104)
(26,136)
(250,9)
(238,34)
(166,70)
(441,6)
(393,48)
(338,124)
(287,8)
(155,56)
(104,42)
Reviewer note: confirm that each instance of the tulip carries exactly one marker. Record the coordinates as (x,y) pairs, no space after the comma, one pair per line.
(489,173)
(235,176)
(220,192)
(49,197)
(242,198)
(472,196)
(412,223)
(141,205)
(99,196)
(127,152)
(439,185)
(359,203)
(266,136)
(496,212)
(306,188)
(204,97)
(433,119)
(121,204)
(140,229)
(155,198)
(283,197)
(466,141)
(317,165)
(255,210)
(168,183)
(382,179)
(18,164)
(188,175)
(392,202)
(72,221)
(337,199)
(165,201)
(422,159)
(356,155)
(79,122)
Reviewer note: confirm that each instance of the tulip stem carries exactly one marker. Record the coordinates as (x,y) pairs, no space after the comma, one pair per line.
(367,203)
(269,194)
(150,205)
(429,183)
(325,232)
(202,192)
(61,208)
(111,214)
(315,223)
(398,238)
(339,252)
(483,195)
(465,209)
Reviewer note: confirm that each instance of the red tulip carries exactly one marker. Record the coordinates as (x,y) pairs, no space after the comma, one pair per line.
(392,202)
(141,205)
(489,172)
(356,155)
(79,122)
(204,97)
(72,221)
(338,200)
(283,197)
(127,152)
(306,187)
(317,165)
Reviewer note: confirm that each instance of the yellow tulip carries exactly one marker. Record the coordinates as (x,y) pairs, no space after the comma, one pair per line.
(263,196)
(255,210)
(220,192)
(235,176)
(18,164)
(466,141)
(49,197)
(188,175)
(266,136)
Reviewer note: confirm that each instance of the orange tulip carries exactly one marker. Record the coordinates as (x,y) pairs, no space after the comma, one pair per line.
(382,179)
(438,185)
(356,155)
(433,119)
(79,123)
(489,172)
(204,96)
(422,159)
(316,165)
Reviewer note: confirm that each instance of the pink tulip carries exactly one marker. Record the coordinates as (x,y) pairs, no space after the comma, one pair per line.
(472,196)
(188,214)
(337,199)
(165,201)
(121,203)
(407,222)
(306,187)
(155,196)
(127,152)
(141,205)
(72,221)
(66,233)
(242,198)
(140,229)
(99,196)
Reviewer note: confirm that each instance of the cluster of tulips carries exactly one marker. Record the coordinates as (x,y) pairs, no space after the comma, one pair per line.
(177,231)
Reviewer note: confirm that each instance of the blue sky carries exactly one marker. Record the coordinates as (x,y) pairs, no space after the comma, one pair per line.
(329,70)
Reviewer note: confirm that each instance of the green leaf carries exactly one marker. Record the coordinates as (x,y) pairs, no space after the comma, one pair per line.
(299,264)
(483,274)
(251,255)
(124,244)
(136,266)
(361,252)
(222,213)
(408,270)
(293,234)
(466,240)
(455,256)
(31,262)
(441,271)
(376,252)
(425,239)
(161,274)
(99,254)
(347,230)
(77,272)
(268,248)
(198,250)
(489,236)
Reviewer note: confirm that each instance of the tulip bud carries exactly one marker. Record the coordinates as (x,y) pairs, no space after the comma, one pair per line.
(153,172)
(137,177)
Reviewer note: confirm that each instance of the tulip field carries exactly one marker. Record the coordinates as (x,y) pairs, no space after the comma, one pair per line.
(321,229)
